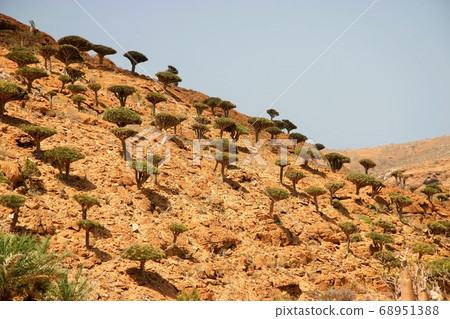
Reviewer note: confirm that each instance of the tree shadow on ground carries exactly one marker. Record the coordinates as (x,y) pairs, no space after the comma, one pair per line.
(157,200)
(180,252)
(154,281)
(235,185)
(101,254)
(14,121)
(78,183)
(314,171)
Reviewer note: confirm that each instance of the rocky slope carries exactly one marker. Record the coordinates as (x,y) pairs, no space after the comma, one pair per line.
(233,249)
(426,161)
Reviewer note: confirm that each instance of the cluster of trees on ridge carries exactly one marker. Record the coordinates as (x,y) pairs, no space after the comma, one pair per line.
(69,51)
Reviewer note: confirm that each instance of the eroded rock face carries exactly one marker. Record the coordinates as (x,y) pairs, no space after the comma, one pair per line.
(217,239)
(11,171)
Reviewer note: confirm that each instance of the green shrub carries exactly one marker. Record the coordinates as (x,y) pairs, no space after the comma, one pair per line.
(27,269)
(22,56)
(155,98)
(38,134)
(423,249)
(224,159)
(10,92)
(212,102)
(289,126)
(442,197)
(200,129)
(275,194)
(400,201)
(31,74)
(47,51)
(74,74)
(13,202)
(315,192)
(75,88)
(387,259)
(319,146)
(359,180)
(3,179)
(78,99)
(223,145)
(259,124)
(86,202)
(366,219)
(95,87)
(121,92)
(65,289)
(164,121)
(380,239)
(297,137)
(167,78)
(189,296)
(294,176)
(367,164)
(101,51)
(356,238)
(176,230)
(122,117)
(88,225)
(272,113)
(61,157)
(336,161)
(200,107)
(29,170)
(123,133)
(273,131)
(226,106)
(78,42)
(440,269)
(333,187)
(439,227)
(64,80)
(68,54)
(135,57)
(143,253)
(143,170)
(281,125)
(337,204)
(385,225)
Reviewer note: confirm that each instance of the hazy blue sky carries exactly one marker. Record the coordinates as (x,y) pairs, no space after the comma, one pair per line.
(386,81)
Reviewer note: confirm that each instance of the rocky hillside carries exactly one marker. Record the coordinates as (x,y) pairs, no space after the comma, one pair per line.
(426,161)
(233,249)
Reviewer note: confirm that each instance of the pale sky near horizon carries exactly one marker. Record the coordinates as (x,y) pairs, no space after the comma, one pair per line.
(387,80)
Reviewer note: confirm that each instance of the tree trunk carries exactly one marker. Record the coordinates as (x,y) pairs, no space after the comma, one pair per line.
(172,245)
(51,102)
(84,213)
(2,107)
(357,189)
(317,204)
(222,172)
(96,98)
(46,64)
(67,170)
(407,289)
(400,212)
(15,219)
(213,111)
(38,146)
(49,64)
(271,207)
(367,170)
(87,239)
(221,133)
(153,109)
(215,166)
(256,136)
(348,245)
(142,267)
(29,83)
(124,149)
(100,59)
(133,67)
(294,186)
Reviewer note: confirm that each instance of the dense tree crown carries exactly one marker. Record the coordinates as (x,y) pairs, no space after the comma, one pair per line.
(367,164)
(155,98)
(31,74)
(336,161)
(68,54)
(22,56)
(167,78)
(10,92)
(213,102)
(135,58)
(78,42)
(102,50)
(259,124)
(38,133)
(122,92)
(61,157)
(272,113)
(122,116)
